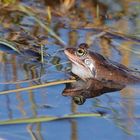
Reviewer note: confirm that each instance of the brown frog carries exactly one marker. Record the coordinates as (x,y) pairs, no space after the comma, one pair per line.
(97,74)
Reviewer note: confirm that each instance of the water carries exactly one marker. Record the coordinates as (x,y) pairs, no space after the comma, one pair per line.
(122,115)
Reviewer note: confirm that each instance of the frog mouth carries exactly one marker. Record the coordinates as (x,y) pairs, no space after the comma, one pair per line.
(73,59)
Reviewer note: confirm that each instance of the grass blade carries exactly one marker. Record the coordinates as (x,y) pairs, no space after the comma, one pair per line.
(38,86)
(49,118)
(9,45)
(26,10)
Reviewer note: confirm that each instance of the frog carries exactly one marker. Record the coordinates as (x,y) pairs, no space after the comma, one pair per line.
(96,74)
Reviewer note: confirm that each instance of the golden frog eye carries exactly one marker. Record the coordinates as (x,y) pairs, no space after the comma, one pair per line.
(81,52)
(79,100)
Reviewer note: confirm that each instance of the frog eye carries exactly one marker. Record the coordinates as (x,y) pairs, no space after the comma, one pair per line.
(79,100)
(80,52)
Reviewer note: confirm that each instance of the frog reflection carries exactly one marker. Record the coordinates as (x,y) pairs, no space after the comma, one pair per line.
(81,90)
(98,75)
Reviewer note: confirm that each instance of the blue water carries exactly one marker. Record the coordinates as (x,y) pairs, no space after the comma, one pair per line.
(49,101)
